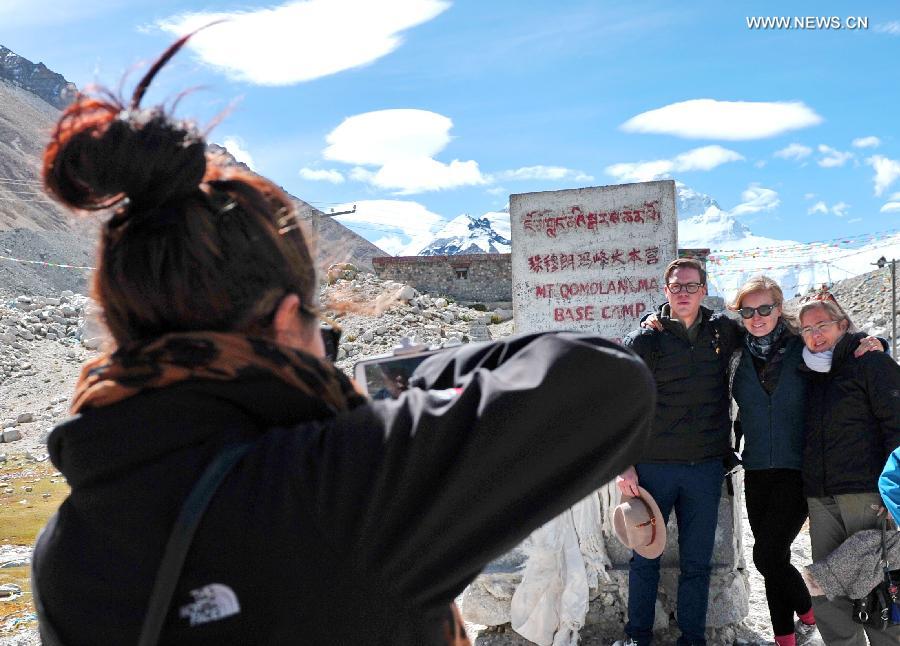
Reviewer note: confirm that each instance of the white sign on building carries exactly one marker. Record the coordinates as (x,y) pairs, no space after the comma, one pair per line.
(591,259)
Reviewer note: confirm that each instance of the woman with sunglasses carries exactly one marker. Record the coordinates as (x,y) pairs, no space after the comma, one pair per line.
(338,520)
(770,395)
(852,425)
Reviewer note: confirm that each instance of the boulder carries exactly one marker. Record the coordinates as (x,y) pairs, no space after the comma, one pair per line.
(405,293)
(11,435)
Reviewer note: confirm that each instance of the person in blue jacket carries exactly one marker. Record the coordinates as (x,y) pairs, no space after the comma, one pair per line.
(771,395)
(889,485)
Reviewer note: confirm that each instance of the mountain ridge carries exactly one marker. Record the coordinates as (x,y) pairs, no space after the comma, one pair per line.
(37,78)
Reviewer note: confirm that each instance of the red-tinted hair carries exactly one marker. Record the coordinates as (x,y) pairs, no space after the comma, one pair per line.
(192,243)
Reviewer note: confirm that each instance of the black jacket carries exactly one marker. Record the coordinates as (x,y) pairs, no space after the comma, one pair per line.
(691,423)
(852,421)
(355,529)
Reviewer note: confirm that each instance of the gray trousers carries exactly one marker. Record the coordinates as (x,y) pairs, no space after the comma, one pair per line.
(831,521)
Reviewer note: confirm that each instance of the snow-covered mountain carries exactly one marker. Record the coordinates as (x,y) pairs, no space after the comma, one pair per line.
(737,253)
(468,234)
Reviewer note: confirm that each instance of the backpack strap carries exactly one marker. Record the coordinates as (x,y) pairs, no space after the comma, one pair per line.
(181,537)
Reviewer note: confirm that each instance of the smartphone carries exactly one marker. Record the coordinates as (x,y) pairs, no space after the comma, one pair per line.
(387,376)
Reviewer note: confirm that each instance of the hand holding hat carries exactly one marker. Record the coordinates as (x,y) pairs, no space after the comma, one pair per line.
(639,524)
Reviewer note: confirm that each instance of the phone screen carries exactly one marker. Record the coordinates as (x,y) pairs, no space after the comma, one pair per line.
(387,378)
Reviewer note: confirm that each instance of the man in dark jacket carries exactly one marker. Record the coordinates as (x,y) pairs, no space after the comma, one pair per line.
(682,467)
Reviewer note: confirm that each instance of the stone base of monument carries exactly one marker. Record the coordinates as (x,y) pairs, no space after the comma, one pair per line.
(487,600)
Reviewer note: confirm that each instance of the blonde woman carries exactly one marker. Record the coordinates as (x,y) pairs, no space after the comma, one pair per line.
(852,425)
(770,393)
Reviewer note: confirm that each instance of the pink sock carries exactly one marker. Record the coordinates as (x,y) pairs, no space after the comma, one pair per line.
(786,640)
(808,618)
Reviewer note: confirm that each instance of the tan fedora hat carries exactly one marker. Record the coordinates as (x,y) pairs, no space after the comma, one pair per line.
(639,525)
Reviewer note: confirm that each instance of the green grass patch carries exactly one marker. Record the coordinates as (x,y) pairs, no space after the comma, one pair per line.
(30,493)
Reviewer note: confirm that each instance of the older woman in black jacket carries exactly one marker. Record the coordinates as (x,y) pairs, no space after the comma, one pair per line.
(852,425)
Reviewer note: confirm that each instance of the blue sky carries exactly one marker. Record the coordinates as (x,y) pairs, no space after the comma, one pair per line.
(419,110)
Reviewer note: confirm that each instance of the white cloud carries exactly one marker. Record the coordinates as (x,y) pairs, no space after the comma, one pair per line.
(832,158)
(757,198)
(866,142)
(322,175)
(892,28)
(403,144)
(406,226)
(808,196)
(704,158)
(375,138)
(730,120)
(759,163)
(892,205)
(418,175)
(794,151)
(392,244)
(818,207)
(840,209)
(886,172)
(854,220)
(301,40)
(643,171)
(497,190)
(554,173)
(361,174)
(236,146)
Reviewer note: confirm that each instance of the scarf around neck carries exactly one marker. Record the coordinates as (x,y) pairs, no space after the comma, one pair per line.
(221,356)
(761,346)
(818,361)
(217,356)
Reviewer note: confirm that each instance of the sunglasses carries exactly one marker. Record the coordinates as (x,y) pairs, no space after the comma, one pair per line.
(819,328)
(690,288)
(764,310)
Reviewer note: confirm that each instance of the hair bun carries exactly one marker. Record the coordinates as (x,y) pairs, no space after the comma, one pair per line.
(168,158)
(101,155)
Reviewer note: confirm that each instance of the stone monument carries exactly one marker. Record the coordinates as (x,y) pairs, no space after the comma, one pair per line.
(592,259)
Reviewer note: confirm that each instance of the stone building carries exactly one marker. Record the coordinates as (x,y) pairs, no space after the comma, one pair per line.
(483,278)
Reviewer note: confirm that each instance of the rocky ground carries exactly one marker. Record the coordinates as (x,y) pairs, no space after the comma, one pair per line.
(867,300)
(45,337)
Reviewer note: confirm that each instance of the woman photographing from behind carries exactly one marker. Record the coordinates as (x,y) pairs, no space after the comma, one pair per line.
(852,425)
(341,521)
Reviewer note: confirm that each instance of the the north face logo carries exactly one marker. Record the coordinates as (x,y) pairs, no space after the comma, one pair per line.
(211,603)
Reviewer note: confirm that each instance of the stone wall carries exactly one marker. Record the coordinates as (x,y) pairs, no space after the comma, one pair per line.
(483,278)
